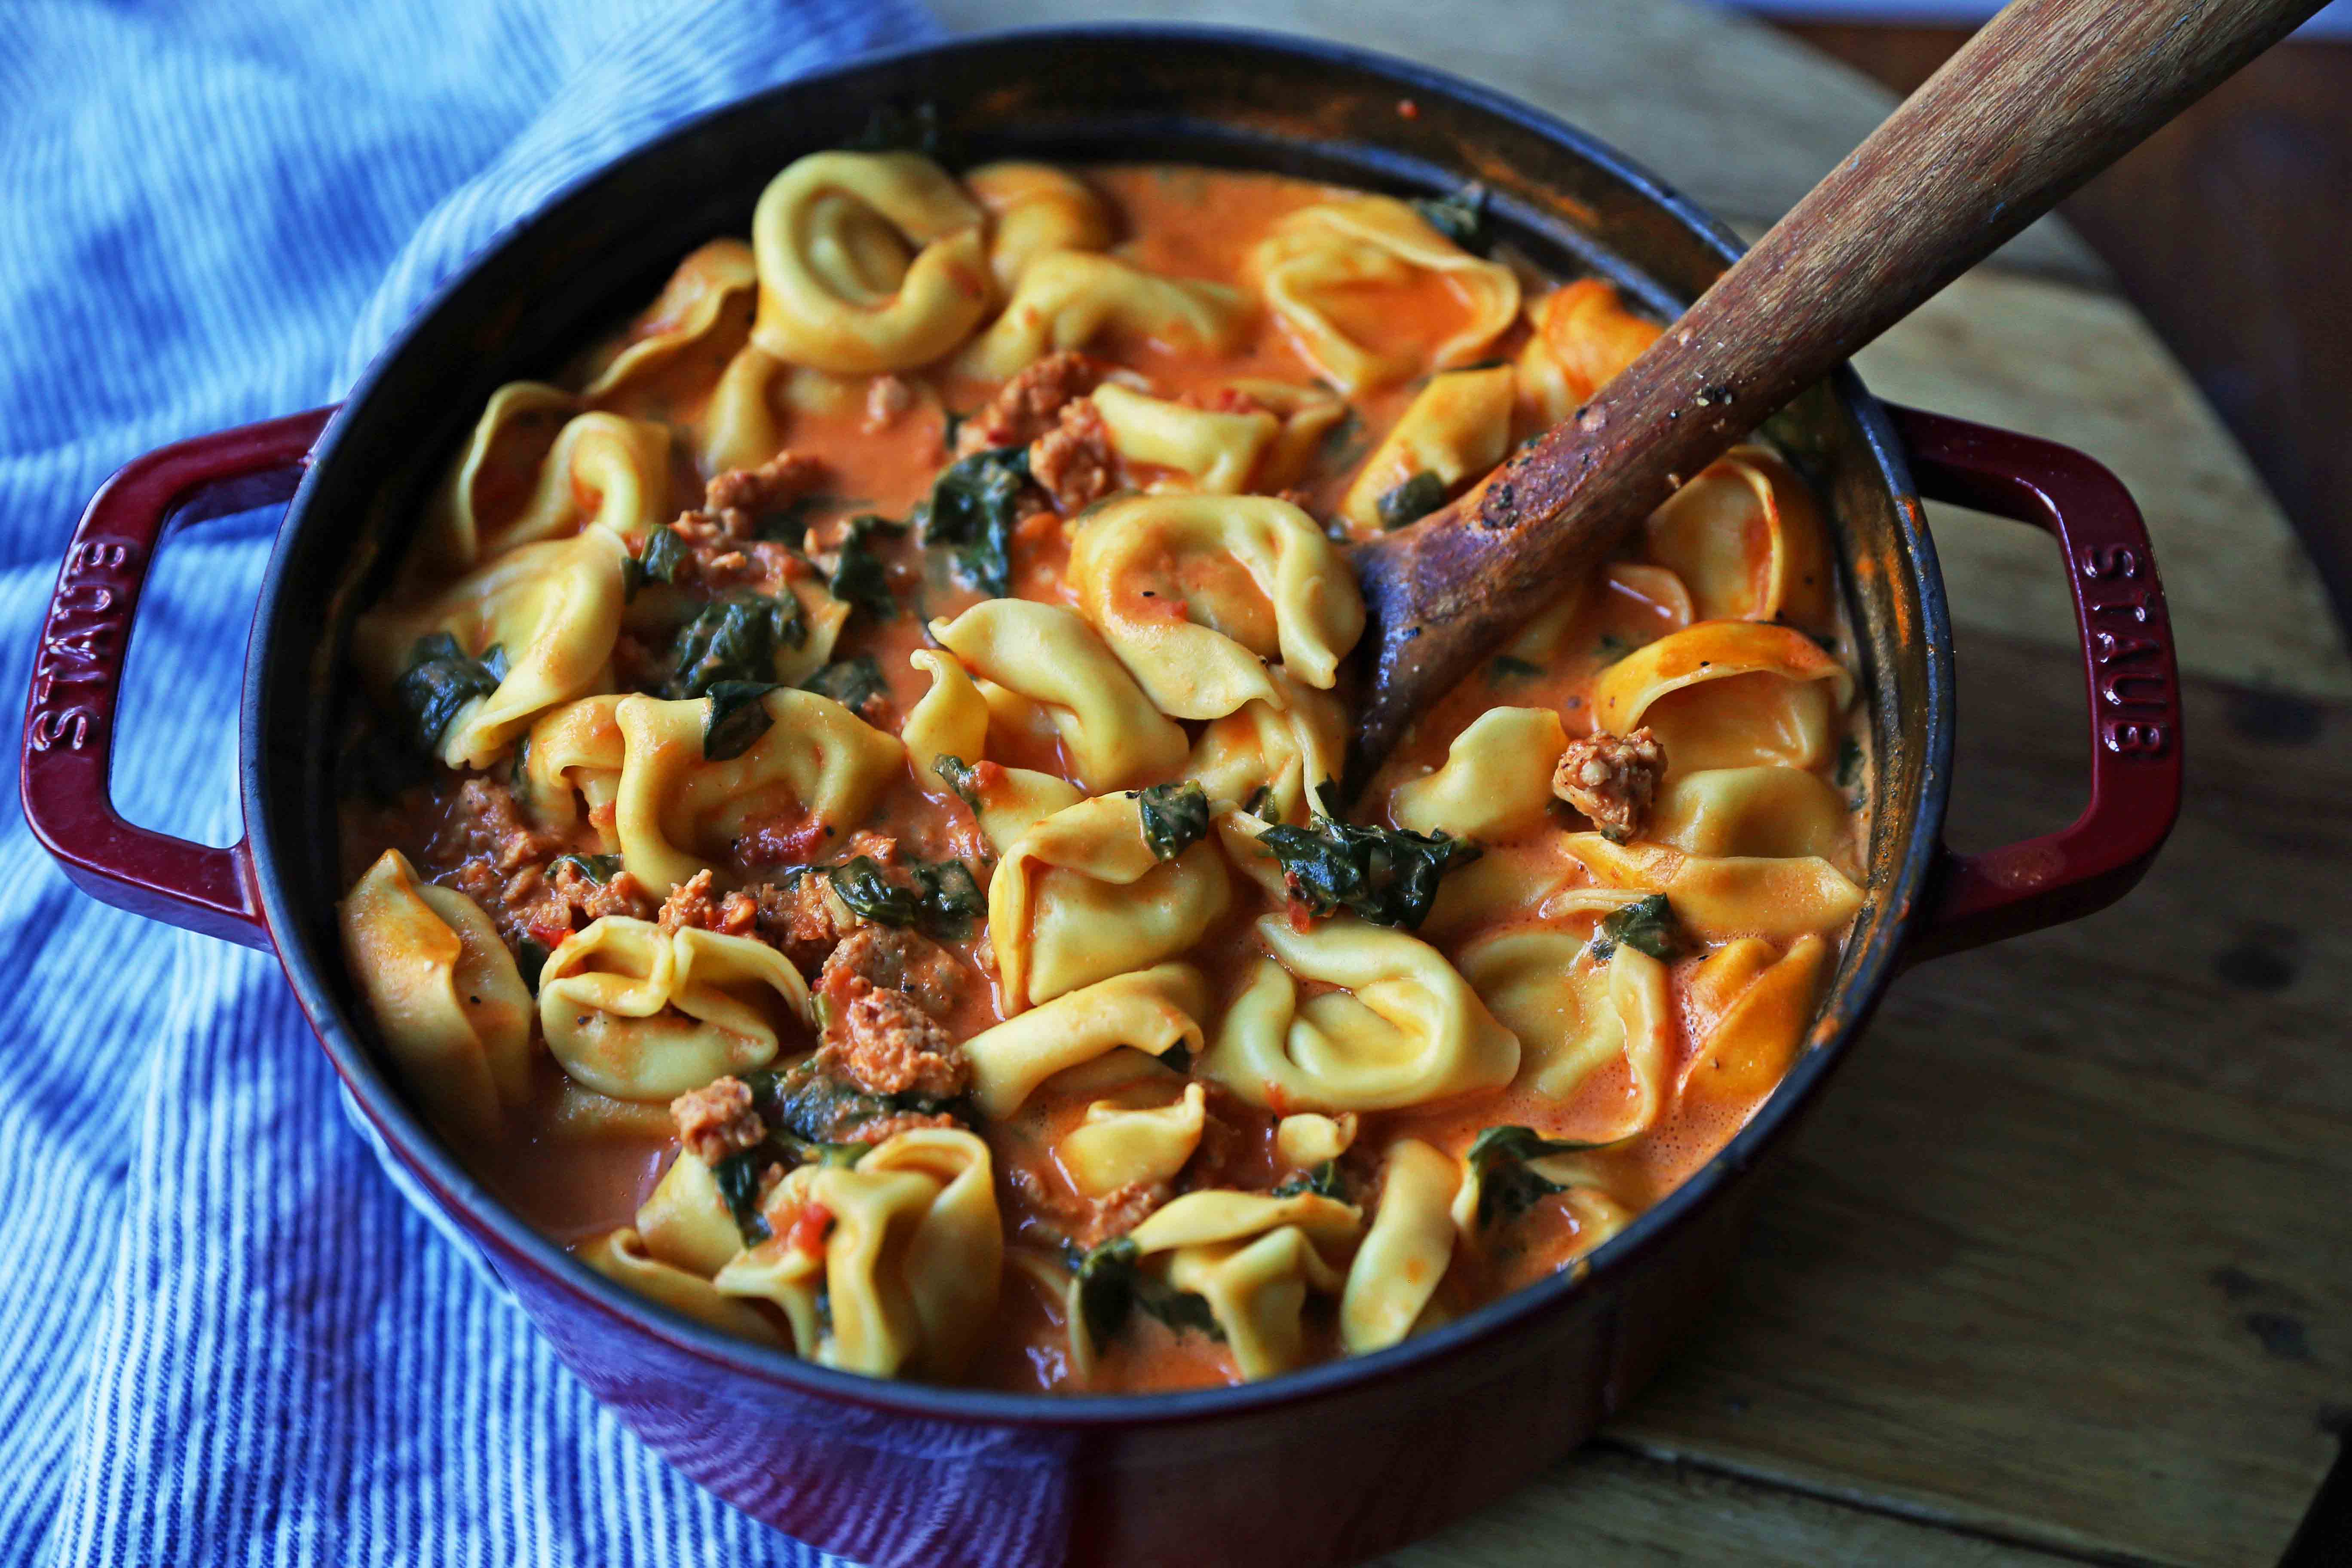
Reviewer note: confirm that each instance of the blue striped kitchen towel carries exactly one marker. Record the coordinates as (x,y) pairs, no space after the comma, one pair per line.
(222,1337)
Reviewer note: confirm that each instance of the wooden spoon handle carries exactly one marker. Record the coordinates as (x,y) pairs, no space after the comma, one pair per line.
(2045,95)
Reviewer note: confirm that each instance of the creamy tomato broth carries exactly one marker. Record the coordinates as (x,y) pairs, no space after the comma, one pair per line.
(838,835)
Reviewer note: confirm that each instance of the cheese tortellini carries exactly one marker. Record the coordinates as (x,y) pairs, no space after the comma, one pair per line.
(1367,241)
(1405,1253)
(1253,1259)
(1082,896)
(1050,659)
(1454,430)
(453,1011)
(1070,298)
(637,1012)
(1400,1026)
(1497,781)
(1196,593)
(911,1257)
(1575,1018)
(867,261)
(1728,694)
(1034,210)
(677,812)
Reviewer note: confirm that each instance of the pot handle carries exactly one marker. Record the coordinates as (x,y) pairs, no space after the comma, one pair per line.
(69,744)
(2128,666)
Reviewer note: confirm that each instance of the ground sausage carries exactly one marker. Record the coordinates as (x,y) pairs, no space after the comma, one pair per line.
(892,960)
(1612,779)
(693,904)
(1071,462)
(1029,404)
(881,1041)
(799,918)
(717,1119)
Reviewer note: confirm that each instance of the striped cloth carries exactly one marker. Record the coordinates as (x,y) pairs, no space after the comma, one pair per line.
(226,1340)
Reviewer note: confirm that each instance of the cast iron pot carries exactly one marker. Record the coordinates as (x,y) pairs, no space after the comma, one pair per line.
(1328,1466)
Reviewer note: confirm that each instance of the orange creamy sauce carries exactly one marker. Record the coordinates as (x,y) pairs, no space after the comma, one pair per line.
(578,1165)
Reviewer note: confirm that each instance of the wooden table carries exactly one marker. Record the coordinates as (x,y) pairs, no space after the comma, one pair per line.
(2062,1269)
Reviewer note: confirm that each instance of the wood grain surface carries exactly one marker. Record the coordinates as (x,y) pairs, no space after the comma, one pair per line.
(2060,1269)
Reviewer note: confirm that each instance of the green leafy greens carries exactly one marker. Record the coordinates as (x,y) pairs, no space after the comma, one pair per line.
(1112,1283)
(662,559)
(1388,876)
(737,718)
(1323,1181)
(1175,817)
(849,681)
(807,1114)
(438,683)
(973,505)
(1410,502)
(940,899)
(1646,925)
(1506,1186)
(733,638)
(857,575)
(597,868)
(1460,218)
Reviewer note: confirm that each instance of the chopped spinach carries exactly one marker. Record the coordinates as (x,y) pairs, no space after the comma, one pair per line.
(738,1176)
(1646,925)
(1498,1159)
(890,129)
(1175,817)
(1388,876)
(1410,502)
(662,559)
(530,958)
(857,575)
(973,505)
(597,868)
(736,637)
(940,899)
(1323,1181)
(1849,764)
(1460,218)
(1344,445)
(737,718)
(439,681)
(1112,1283)
(1508,667)
(960,777)
(804,1113)
(1260,803)
(849,681)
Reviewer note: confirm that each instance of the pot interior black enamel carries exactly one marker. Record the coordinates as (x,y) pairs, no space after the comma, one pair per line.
(1179,95)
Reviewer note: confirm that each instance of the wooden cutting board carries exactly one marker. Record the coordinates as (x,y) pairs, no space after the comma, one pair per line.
(2062,1269)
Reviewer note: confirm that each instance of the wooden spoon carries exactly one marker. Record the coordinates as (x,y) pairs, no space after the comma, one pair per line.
(2048,93)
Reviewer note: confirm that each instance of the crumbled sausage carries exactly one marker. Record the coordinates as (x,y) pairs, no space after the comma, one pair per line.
(547,902)
(740,497)
(798,916)
(881,1128)
(1612,779)
(717,1119)
(1118,1213)
(1029,404)
(694,903)
(1071,462)
(893,960)
(881,1041)
(1072,1217)
(483,825)
(1224,1145)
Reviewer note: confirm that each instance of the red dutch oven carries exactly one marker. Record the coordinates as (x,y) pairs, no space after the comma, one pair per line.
(1327,1466)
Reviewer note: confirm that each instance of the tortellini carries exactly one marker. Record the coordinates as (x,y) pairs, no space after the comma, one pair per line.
(703,304)
(445,993)
(906,1275)
(621,1257)
(1121,1145)
(1746,538)
(1194,593)
(1497,781)
(951,719)
(601,468)
(1364,240)
(1034,210)
(1405,1252)
(1253,1258)
(1081,897)
(1049,657)
(1575,1018)
(867,261)
(1215,450)
(1271,756)
(1583,337)
(1585,1196)
(677,812)
(1767,811)
(1309,414)
(637,1012)
(1728,694)
(1719,899)
(687,1222)
(1071,298)
(1456,428)
(1750,1006)
(1401,1028)
(1153,1011)
(552,610)
(573,757)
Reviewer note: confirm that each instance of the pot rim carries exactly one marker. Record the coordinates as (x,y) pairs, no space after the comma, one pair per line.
(1869,968)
